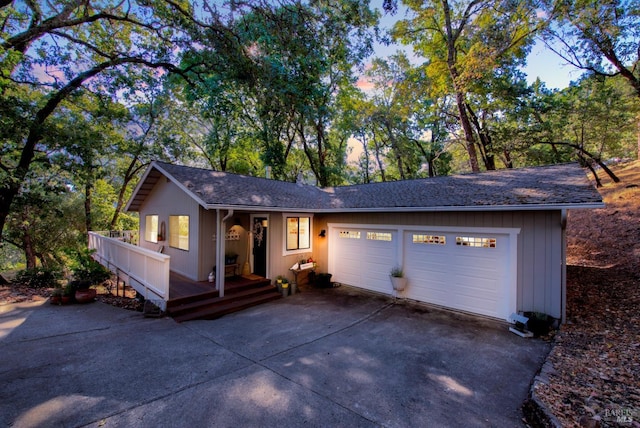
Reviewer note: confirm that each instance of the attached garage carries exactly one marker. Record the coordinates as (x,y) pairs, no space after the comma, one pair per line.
(490,243)
(472,269)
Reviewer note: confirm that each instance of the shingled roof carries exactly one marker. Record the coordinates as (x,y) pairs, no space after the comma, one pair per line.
(556,186)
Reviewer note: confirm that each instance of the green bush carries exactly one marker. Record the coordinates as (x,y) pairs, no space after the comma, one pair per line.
(39,277)
(85,268)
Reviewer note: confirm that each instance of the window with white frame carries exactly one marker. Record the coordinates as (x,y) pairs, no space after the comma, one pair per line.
(179,232)
(151,228)
(349,234)
(476,241)
(298,233)
(419,238)
(379,236)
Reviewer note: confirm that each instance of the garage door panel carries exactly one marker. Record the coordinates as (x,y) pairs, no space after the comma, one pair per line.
(466,271)
(363,262)
(470,277)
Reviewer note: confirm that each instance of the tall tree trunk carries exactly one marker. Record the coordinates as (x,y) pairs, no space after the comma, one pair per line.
(485,141)
(87,204)
(468,133)
(508,162)
(451,37)
(27,247)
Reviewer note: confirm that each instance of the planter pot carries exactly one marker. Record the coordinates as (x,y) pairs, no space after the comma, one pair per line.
(399,283)
(55,300)
(285,290)
(66,300)
(85,296)
(294,288)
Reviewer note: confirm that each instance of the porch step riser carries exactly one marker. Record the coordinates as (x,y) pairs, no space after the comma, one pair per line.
(212,302)
(174,303)
(221,309)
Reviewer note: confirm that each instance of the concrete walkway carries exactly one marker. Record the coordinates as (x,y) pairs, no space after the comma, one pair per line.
(324,358)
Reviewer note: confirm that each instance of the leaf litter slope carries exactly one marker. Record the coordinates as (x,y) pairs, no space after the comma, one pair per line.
(596,355)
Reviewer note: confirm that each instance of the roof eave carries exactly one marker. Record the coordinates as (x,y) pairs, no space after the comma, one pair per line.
(521,207)
(132,198)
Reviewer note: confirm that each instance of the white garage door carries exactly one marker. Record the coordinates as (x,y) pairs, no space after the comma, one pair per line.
(466,271)
(363,257)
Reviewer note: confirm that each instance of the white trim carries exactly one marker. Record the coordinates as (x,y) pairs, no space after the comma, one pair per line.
(511,232)
(286,252)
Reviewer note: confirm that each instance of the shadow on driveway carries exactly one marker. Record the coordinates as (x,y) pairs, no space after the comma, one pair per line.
(337,357)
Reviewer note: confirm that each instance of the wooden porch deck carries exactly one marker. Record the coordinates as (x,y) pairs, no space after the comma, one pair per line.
(200,300)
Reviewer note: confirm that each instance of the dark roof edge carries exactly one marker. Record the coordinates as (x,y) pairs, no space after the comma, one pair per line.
(530,207)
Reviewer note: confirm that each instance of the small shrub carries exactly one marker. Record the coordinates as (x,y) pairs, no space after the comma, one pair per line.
(40,277)
(85,268)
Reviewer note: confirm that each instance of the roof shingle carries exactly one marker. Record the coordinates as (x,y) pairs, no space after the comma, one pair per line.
(564,185)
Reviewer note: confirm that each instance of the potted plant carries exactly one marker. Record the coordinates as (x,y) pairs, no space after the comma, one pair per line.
(285,287)
(87,272)
(398,281)
(84,293)
(56,296)
(68,293)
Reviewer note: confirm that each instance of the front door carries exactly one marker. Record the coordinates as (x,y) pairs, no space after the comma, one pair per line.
(259,231)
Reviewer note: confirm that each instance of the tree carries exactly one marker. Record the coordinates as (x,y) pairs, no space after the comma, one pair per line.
(464,43)
(602,37)
(401,126)
(50,51)
(46,217)
(296,59)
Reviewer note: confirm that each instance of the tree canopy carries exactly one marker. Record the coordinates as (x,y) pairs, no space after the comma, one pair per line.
(92,91)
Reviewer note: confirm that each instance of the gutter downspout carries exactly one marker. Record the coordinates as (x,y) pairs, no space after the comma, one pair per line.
(563,268)
(220,249)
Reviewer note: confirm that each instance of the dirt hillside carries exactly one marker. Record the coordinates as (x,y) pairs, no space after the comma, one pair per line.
(596,355)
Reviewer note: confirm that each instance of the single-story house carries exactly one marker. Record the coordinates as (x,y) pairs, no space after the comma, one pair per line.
(491,243)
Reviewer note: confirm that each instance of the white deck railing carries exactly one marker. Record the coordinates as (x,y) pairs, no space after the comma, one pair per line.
(147,271)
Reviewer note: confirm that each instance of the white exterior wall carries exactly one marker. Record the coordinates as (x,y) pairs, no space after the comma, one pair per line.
(167,199)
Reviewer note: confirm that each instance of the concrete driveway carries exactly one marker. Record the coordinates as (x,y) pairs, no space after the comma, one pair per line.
(337,357)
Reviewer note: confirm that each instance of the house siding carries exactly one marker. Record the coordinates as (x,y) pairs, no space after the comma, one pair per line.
(167,199)
(539,262)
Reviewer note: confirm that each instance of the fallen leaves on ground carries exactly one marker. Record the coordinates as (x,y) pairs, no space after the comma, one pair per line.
(18,293)
(596,355)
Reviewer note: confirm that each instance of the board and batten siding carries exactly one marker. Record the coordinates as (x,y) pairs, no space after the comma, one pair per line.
(167,199)
(279,263)
(540,264)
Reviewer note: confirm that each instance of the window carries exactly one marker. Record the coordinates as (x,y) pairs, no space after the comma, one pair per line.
(298,233)
(349,234)
(429,239)
(379,236)
(179,232)
(474,241)
(151,228)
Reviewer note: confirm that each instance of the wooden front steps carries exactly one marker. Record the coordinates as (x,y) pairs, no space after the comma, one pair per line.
(210,305)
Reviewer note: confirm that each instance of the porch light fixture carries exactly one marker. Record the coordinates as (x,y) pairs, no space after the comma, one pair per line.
(323,233)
